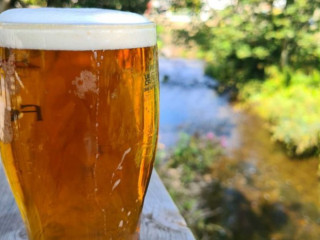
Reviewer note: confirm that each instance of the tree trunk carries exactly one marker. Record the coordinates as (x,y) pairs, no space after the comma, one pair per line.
(56,3)
(284,54)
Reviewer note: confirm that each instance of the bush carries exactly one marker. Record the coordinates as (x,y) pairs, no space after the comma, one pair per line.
(243,40)
(194,155)
(186,171)
(270,55)
(289,100)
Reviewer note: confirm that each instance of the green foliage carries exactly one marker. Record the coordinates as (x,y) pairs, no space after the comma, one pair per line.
(194,156)
(194,5)
(185,171)
(272,56)
(160,30)
(289,100)
(41,3)
(58,3)
(138,6)
(243,40)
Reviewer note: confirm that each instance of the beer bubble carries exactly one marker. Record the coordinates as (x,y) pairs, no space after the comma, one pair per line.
(113,95)
(95,54)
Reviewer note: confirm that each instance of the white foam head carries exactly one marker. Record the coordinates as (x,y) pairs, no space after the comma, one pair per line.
(74,29)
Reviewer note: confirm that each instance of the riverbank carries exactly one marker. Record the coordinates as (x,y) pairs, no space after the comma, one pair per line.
(251,190)
(289,102)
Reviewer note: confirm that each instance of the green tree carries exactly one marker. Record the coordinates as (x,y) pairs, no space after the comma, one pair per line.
(193,5)
(138,6)
(243,40)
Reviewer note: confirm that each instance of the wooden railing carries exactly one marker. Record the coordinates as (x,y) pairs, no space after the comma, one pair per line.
(160,219)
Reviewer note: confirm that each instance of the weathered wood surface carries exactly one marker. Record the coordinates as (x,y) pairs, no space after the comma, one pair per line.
(160,218)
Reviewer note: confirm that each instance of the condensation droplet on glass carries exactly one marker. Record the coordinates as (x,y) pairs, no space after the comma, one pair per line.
(122,159)
(120,223)
(113,95)
(97,155)
(91,106)
(122,209)
(129,213)
(116,184)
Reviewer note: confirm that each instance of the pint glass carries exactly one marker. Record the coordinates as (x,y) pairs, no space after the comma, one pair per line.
(79,119)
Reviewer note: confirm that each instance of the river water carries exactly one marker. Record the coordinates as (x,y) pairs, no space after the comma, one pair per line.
(262,193)
(188,104)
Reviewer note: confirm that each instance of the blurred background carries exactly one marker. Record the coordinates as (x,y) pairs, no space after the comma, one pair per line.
(240,112)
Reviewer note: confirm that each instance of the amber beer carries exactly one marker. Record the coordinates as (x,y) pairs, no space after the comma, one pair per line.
(79,119)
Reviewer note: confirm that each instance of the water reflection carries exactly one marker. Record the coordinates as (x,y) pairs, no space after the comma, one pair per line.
(257,184)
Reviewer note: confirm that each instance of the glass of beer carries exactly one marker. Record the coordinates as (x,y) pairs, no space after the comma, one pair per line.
(79,111)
